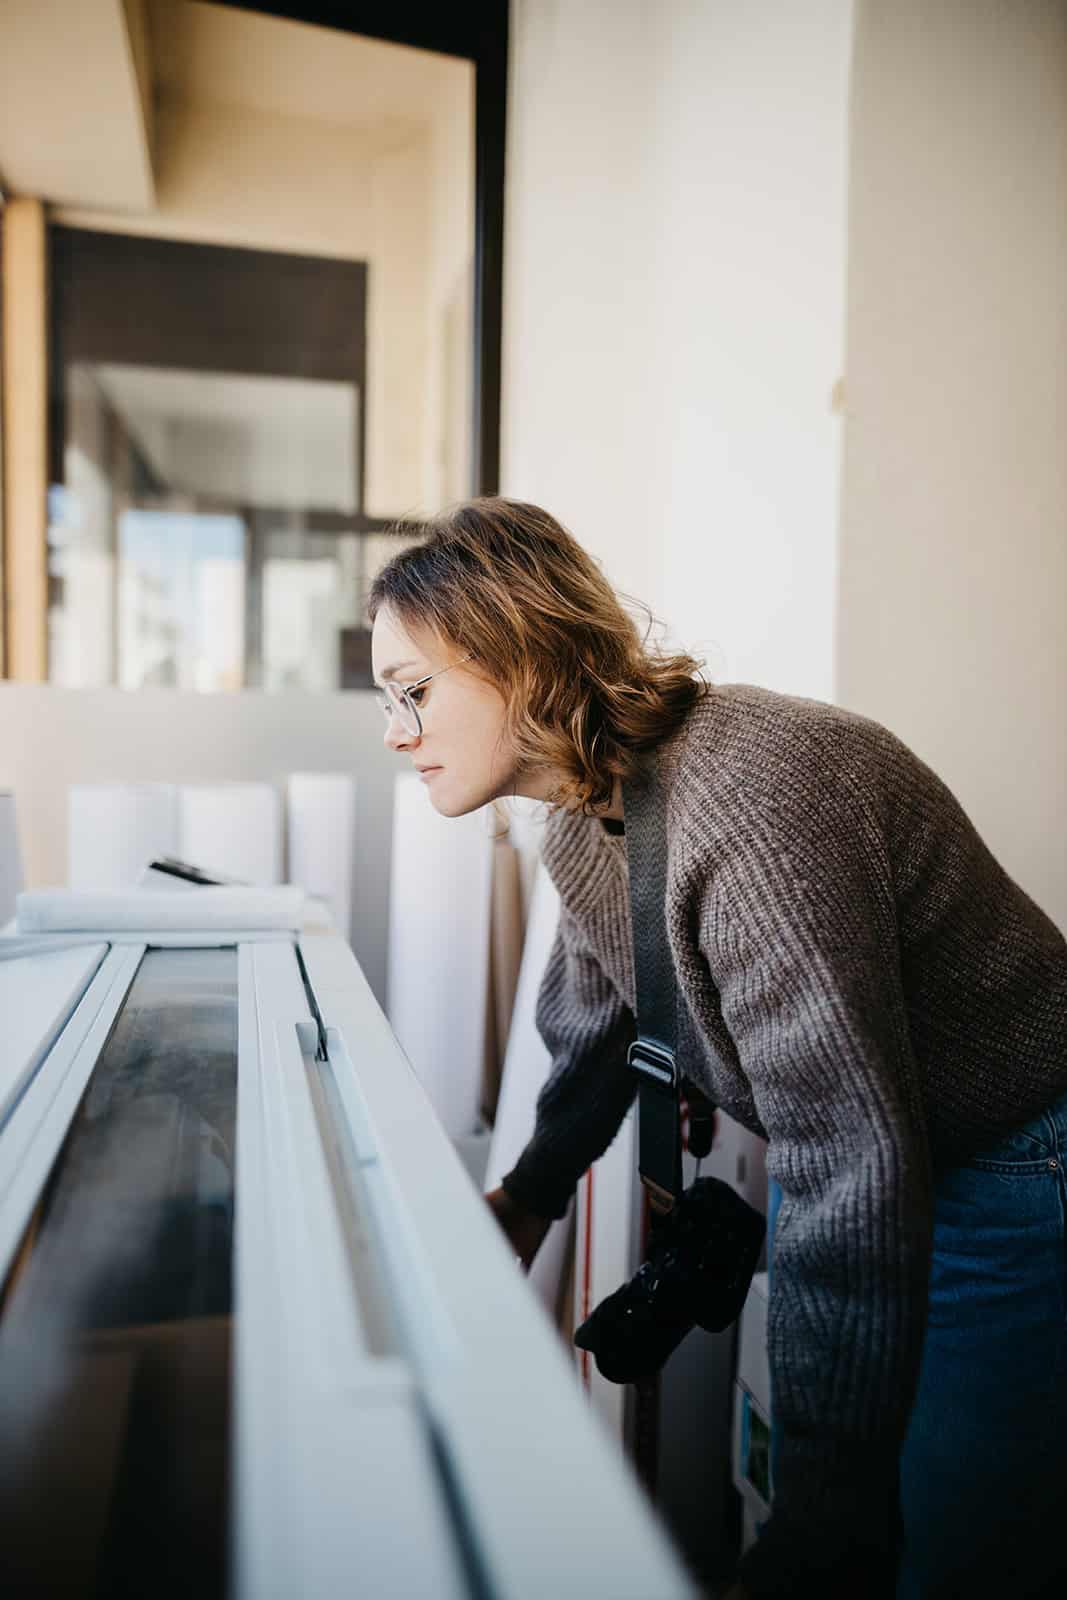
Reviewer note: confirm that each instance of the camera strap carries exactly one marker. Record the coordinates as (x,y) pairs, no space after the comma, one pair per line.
(652,1053)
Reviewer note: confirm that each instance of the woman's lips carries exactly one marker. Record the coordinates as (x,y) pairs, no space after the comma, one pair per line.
(426,773)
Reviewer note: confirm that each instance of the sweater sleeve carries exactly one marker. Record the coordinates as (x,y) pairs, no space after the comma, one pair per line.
(587,1030)
(800,935)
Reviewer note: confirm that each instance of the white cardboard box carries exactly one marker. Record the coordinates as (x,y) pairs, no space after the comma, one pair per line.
(752,1413)
(753,1371)
(751,1462)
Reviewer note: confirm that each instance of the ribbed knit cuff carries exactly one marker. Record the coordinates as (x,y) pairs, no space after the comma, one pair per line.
(533,1186)
(848,1545)
(778,1567)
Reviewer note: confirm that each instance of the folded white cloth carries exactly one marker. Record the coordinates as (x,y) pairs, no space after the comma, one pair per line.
(153,910)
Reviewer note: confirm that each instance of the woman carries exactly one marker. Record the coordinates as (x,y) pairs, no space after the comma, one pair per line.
(863,986)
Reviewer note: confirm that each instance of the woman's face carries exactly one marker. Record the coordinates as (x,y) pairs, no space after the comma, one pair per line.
(463,754)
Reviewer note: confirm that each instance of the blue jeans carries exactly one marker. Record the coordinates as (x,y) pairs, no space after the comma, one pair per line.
(984,1464)
(983,1470)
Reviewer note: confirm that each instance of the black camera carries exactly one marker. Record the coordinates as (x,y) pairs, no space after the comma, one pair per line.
(700,1261)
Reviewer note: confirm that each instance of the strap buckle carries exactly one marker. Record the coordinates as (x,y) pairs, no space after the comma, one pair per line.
(660,1200)
(654,1060)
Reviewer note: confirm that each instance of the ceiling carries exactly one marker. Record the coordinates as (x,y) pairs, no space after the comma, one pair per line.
(292,69)
(81,81)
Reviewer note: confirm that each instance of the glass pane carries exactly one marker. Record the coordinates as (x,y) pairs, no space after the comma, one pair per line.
(181,602)
(115,1330)
(283,443)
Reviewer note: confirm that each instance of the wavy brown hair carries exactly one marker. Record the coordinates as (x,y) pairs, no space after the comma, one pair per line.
(584,692)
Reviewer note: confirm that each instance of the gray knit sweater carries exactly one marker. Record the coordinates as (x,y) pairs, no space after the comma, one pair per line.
(863,986)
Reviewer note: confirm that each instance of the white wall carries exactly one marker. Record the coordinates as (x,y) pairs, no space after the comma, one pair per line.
(702,198)
(577,264)
(674,323)
(953,615)
(750,239)
(674,309)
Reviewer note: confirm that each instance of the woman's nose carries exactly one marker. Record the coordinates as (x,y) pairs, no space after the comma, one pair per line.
(397,736)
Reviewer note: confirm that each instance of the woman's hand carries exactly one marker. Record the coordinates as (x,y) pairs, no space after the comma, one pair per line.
(525,1230)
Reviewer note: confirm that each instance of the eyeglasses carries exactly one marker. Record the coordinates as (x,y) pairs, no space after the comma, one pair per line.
(396,699)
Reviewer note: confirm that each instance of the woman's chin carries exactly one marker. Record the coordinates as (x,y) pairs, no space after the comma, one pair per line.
(450,801)
(442,801)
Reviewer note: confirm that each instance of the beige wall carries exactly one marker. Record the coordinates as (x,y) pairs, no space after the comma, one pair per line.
(24,402)
(280,136)
(674,309)
(953,598)
(75,118)
(449,303)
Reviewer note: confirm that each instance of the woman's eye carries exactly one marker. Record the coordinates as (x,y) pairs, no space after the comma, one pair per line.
(416,695)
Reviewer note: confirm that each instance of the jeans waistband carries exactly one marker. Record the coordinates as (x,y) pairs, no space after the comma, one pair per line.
(1036,1142)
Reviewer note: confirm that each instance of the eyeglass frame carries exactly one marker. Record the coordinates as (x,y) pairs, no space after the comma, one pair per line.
(396,707)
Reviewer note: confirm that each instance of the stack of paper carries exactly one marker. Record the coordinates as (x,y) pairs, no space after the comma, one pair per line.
(439,949)
(10,859)
(114,829)
(526,1066)
(231,828)
(321,828)
(150,911)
